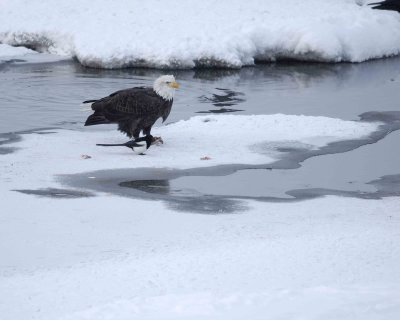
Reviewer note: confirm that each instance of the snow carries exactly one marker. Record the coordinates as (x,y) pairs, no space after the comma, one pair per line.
(8,51)
(24,55)
(331,258)
(226,139)
(110,257)
(186,34)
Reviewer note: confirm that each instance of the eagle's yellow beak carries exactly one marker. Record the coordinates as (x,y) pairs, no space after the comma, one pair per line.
(174,85)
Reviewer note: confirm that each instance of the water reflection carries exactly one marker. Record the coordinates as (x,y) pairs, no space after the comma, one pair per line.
(221,110)
(50,94)
(150,186)
(56,193)
(215,74)
(224,98)
(186,200)
(6,139)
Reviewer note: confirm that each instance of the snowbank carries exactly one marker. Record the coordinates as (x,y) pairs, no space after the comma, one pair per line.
(185,34)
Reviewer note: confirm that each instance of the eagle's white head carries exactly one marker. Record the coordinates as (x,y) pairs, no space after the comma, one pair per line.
(165,86)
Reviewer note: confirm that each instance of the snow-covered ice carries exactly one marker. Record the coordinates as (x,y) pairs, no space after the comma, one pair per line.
(330,258)
(23,55)
(185,34)
(110,257)
(9,51)
(226,139)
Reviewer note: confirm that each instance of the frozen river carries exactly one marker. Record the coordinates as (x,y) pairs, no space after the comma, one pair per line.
(36,96)
(121,236)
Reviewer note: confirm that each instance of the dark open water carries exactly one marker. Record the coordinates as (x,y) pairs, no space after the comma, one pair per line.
(36,96)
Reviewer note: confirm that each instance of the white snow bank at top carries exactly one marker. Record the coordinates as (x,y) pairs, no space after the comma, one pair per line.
(24,55)
(112,34)
(226,139)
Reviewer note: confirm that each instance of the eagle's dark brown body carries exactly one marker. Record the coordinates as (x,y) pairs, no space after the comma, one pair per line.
(135,110)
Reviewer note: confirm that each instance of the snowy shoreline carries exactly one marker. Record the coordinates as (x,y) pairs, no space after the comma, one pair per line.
(201,34)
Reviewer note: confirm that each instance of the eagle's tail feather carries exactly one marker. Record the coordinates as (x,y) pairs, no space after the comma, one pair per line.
(110,144)
(393,5)
(96,118)
(129,144)
(87,105)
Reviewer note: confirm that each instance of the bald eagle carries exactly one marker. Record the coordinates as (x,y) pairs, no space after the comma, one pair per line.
(135,109)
